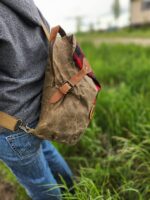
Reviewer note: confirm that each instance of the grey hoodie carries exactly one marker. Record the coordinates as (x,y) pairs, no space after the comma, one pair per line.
(23,58)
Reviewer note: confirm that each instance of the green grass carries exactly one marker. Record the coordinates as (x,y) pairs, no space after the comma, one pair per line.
(112,160)
(113,156)
(125,33)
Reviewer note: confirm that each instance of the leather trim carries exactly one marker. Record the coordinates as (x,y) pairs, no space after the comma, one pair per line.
(65,88)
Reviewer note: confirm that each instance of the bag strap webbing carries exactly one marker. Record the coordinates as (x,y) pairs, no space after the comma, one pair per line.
(46,31)
(13,124)
(8,121)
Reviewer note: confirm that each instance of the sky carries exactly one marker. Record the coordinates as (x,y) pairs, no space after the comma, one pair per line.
(98,12)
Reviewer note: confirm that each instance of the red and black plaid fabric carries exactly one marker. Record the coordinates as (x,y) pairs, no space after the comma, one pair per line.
(78,59)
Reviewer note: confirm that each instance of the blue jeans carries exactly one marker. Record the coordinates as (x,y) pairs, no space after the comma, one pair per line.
(36,164)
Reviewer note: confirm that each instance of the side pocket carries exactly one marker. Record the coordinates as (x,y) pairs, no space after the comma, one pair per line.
(23,144)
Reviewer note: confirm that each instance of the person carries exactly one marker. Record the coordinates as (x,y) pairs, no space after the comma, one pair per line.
(36,163)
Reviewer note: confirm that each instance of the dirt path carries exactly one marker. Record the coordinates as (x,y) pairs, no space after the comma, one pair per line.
(138,41)
(7,192)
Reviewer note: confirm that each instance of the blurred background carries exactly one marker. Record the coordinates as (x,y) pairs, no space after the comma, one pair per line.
(95,15)
(84,15)
(112,160)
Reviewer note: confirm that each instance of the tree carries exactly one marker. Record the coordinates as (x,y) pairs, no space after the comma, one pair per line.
(91,27)
(79,20)
(116,9)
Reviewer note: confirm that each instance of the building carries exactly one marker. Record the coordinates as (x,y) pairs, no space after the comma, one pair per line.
(140,12)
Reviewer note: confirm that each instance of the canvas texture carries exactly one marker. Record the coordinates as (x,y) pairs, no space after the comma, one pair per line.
(67,119)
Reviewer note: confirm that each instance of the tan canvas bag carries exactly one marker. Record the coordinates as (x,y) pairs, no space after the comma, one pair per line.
(69,92)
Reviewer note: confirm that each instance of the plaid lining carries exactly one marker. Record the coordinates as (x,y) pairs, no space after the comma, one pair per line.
(78,59)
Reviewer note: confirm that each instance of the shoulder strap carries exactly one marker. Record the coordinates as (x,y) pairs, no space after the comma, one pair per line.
(46,31)
(13,124)
(42,24)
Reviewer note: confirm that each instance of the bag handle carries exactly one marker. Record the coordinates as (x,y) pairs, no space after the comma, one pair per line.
(54,31)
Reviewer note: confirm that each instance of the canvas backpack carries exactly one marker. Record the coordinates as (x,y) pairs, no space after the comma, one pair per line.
(69,92)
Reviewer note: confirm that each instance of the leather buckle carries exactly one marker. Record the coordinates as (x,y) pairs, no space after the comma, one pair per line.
(21,125)
(66,87)
(71,86)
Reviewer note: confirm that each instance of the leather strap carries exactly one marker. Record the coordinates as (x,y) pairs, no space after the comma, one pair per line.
(55,30)
(8,121)
(45,30)
(68,85)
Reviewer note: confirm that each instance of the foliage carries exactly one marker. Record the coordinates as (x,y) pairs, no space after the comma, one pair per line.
(116,9)
(113,157)
(128,32)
